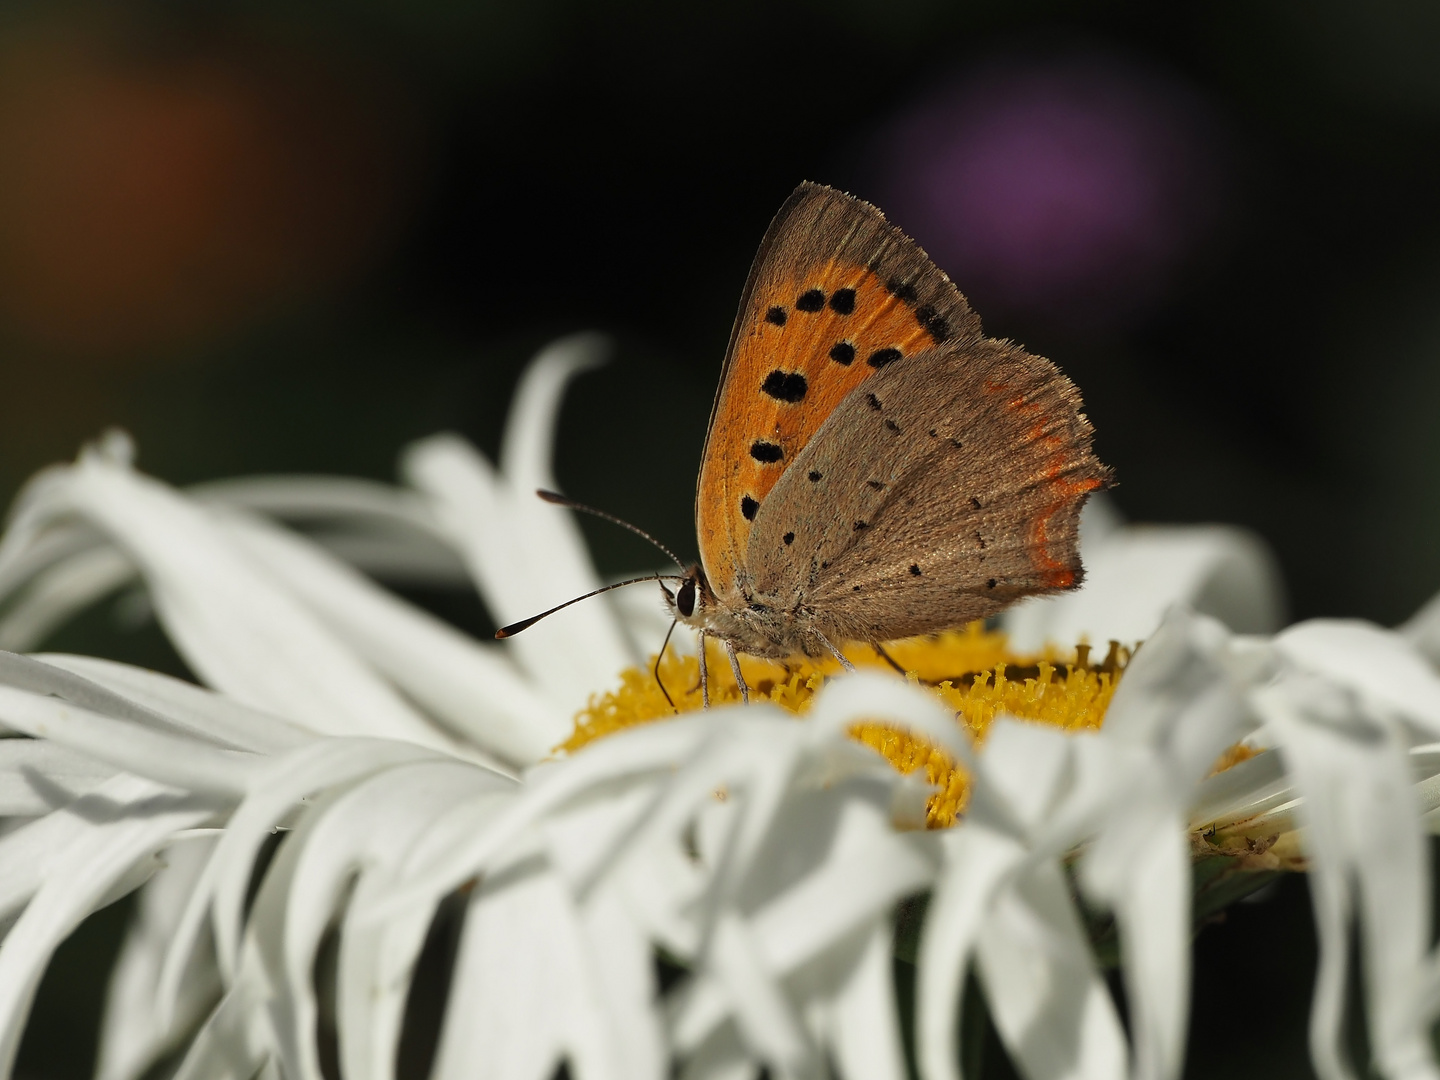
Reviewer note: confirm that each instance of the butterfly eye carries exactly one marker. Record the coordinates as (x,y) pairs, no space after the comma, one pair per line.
(685,599)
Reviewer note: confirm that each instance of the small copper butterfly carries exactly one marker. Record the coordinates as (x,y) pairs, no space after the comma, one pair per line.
(875,466)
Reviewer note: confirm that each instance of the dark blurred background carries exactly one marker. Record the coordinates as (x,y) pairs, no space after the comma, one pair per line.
(291,237)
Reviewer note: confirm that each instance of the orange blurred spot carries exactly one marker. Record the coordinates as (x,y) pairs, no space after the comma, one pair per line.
(147,200)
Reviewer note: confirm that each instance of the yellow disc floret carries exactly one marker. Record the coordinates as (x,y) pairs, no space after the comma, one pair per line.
(971,670)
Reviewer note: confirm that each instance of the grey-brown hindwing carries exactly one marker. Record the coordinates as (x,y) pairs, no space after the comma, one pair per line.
(940,490)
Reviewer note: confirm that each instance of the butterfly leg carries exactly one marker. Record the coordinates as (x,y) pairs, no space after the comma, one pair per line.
(846,664)
(735,667)
(660,656)
(896,665)
(704,675)
(880,651)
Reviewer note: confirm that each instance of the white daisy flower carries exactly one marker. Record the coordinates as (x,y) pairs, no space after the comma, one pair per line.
(712,892)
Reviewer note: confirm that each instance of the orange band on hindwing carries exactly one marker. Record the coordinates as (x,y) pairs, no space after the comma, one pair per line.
(1056,571)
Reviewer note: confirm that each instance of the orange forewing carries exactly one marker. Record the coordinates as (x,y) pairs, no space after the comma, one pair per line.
(835,293)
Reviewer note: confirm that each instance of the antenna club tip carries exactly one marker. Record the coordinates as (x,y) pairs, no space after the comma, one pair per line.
(551,496)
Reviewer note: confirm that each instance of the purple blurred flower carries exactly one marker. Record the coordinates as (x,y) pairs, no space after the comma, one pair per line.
(1069,191)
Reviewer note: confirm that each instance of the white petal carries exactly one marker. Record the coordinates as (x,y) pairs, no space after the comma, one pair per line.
(322,498)
(27,852)
(525,554)
(168,759)
(1423,629)
(36,676)
(722,1057)
(1368,855)
(1137,572)
(132,1036)
(621,958)
(1049,1004)
(1178,701)
(1140,868)
(1249,789)
(1022,778)
(387,532)
(521,996)
(529,441)
(647,749)
(41,550)
(364,830)
(236,1042)
(764,1015)
(1381,664)
(288,780)
(978,864)
(1178,713)
(37,777)
(868,696)
(187,707)
(239,631)
(378,956)
(56,593)
(864,1020)
(866,868)
(473,688)
(77,881)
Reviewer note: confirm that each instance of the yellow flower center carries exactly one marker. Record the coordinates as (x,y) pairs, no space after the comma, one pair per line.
(972,671)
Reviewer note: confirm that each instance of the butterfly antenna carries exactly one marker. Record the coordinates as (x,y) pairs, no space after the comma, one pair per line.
(525,624)
(564,500)
(660,656)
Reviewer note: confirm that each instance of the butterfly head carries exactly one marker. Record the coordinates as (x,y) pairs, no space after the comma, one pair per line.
(750,627)
(693,600)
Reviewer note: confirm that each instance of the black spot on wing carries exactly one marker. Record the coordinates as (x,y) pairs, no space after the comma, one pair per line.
(990,584)
(787,386)
(880,357)
(974,502)
(861,525)
(843,353)
(874,402)
(842,301)
(810,300)
(749,508)
(894,427)
(934,323)
(814,476)
(902,290)
(776,315)
(789,538)
(766,452)
(875,485)
(915,569)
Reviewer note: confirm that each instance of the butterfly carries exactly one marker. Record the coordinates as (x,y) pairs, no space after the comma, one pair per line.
(875,466)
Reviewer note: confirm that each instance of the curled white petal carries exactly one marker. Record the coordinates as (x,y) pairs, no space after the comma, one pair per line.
(229,619)
(1369,863)
(1136,572)
(471,686)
